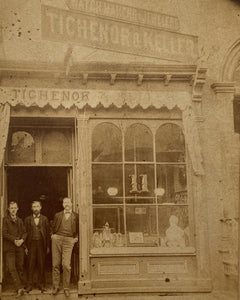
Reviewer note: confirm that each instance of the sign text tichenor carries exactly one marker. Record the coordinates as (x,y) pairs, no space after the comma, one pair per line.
(97,32)
(125,13)
(47,95)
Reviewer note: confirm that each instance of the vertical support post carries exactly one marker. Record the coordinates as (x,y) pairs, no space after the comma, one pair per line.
(3,204)
(228,180)
(83,193)
(1,217)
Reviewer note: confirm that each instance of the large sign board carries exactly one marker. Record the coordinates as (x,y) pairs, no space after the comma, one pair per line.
(100,33)
(125,13)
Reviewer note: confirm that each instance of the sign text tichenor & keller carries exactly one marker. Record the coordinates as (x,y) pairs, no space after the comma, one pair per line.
(118,36)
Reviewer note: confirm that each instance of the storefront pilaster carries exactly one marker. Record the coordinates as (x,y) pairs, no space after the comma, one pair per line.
(229,175)
(83,194)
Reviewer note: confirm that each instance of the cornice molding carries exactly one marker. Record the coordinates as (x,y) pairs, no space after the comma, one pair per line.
(111,72)
(223,87)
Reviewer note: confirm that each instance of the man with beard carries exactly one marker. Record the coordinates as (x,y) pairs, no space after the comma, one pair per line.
(14,235)
(38,239)
(65,235)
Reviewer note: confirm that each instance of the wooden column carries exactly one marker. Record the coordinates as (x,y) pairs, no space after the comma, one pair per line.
(83,198)
(1,219)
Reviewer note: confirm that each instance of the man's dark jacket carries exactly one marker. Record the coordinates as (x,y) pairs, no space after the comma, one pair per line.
(44,229)
(12,231)
(58,220)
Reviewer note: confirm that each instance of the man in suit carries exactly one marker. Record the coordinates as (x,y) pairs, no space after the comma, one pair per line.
(38,239)
(14,236)
(65,235)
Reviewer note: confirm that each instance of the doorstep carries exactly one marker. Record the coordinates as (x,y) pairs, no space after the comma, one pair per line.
(37,295)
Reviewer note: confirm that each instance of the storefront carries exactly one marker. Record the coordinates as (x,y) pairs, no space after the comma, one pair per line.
(139,146)
(131,161)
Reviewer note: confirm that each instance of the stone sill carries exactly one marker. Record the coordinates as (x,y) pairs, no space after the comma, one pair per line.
(142,251)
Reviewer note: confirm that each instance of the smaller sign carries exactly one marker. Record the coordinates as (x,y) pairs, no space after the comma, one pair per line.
(140,211)
(68,97)
(136,238)
(125,13)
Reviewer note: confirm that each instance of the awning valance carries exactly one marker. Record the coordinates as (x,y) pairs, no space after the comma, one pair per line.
(79,98)
(68,98)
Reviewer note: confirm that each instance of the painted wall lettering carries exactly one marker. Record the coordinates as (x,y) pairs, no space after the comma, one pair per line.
(97,32)
(125,13)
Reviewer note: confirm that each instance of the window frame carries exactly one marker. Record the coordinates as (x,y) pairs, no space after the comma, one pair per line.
(153,125)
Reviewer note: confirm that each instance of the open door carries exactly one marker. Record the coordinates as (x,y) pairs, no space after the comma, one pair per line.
(47,184)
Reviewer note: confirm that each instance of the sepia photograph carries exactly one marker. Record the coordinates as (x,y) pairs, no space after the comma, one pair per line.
(119,149)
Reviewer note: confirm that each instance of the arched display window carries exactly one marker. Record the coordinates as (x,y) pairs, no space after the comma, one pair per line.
(139,193)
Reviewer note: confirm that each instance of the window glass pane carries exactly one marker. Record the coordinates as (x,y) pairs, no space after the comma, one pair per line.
(106,143)
(108,228)
(141,225)
(56,147)
(138,143)
(171,184)
(107,183)
(139,181)
(170,144)
(22,147)
(173,226)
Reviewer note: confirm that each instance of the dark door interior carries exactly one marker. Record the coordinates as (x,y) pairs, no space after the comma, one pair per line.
(47,184)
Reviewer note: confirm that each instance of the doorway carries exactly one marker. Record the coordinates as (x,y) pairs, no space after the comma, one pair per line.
(49,185)
(46,184)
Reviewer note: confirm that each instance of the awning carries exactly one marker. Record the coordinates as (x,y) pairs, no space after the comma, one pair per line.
(68,98)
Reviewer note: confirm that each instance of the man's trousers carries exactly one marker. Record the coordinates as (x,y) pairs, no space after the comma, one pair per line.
(14,264)
(62,247)
(36,261)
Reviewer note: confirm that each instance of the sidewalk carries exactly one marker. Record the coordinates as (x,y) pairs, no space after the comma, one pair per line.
(158,296)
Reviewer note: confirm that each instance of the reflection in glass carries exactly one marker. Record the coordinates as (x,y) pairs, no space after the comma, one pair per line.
(107,184)
(138,143)
(22,148)
(141,220)
(170,226)
(106,143)
(139,180)
(56,147)
(170,144)
(173,181)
